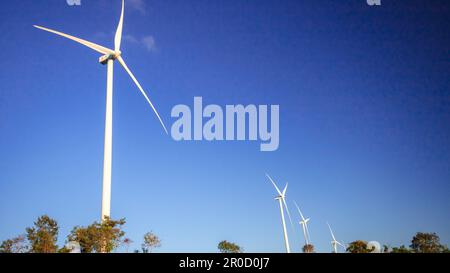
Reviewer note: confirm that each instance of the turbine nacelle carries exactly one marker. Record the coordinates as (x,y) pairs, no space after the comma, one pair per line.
(110,56)
(304,222)
(279,197)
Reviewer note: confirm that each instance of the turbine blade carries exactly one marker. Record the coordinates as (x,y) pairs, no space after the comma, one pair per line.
(118,38)
(331,231)
(285,188)
(93,46)
(275,185)
(301,214)
(122,62)
(307,232)
(288,213)
(295,203)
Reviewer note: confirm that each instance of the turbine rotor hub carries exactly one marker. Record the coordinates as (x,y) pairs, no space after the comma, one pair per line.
(105,58)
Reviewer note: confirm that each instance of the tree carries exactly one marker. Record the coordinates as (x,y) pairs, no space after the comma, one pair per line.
(445,250)
(14,245)
(358,246)
(228,247)
(426,243)
(7,246)
(87,237)
(43,235)
(99,237)
(309,248)
(127,242)
(151,241)
(401,249)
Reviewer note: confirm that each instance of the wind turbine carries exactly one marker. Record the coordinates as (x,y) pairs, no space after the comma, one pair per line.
(108,58)
(304,223)
(281,197)
(334,242)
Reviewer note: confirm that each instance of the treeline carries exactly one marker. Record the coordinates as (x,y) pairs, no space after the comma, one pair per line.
(422,242)
(99,237)
(108,236)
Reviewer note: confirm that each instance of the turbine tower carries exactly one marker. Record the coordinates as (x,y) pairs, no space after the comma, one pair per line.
(304,223)
(334,242)
(281,197)
(108,57)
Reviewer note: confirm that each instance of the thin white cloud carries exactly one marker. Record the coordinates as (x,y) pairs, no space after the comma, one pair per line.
(138,5)
(130,38)
(149,43)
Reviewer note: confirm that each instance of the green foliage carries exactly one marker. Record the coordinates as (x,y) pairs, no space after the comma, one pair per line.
(64,250)
(426,243)
(228,247)
(420,243)
(151,241)
(99,237)
(15,245)
(43,235)
(7,246)
(358,246)
(445,249)
(106,236)
(309,248)
(401,249)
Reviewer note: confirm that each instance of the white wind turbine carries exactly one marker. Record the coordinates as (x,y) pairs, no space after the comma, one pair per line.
(304,223)
(108,58)
(334,242)
(281,197)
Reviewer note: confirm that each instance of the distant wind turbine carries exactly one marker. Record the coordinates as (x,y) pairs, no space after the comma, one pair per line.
(281,197)
(108,58)
(334,242)
(304,223)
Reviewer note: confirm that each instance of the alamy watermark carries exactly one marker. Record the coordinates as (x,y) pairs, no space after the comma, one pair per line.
(73,2)
(374,2)
(227,125)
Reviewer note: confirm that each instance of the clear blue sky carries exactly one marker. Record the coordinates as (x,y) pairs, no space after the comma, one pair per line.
(364,119)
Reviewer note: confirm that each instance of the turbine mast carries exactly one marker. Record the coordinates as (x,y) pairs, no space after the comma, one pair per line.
(107,159)
(286,240)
